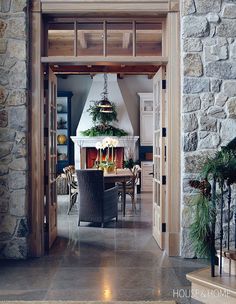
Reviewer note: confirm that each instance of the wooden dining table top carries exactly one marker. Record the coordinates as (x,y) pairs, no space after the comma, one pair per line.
(117,174)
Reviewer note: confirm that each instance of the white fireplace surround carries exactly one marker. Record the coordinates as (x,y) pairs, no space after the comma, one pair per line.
(114,95)
(129,143)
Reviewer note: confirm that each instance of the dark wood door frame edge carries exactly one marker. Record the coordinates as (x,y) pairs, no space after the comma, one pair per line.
(36,145)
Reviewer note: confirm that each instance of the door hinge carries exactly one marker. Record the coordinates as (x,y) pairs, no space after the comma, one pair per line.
(46,132)
(46,180)
(45,84)
(164,131)
(163,84)
(163,227)
(46,227)
(163,179)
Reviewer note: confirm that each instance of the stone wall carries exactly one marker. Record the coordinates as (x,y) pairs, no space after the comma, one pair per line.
(208,34)
(13,129)
(208,106)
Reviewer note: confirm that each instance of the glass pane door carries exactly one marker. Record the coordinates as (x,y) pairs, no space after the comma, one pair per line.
(159,157)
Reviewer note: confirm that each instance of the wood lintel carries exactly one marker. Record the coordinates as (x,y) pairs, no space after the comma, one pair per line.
(96,69)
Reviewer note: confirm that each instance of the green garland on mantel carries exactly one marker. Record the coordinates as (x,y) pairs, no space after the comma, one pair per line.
(101,121)
(106,130)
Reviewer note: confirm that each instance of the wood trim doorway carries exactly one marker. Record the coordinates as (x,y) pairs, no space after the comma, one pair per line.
(36,181)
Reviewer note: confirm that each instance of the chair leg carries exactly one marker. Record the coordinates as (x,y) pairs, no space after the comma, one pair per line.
(79,223)
(74,198)
(133,202)
(121,205)
(69,208)
(117,218)
(70,201)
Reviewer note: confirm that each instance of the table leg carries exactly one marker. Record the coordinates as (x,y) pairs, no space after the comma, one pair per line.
(124,198)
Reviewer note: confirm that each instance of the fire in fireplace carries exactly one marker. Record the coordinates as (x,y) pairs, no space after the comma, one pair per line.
(92,156)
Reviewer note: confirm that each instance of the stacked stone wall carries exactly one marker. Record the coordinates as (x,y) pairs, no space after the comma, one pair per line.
(208,36)
(13,129)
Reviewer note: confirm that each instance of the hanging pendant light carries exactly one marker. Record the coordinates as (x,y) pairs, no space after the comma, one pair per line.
(106,110)
(104,104)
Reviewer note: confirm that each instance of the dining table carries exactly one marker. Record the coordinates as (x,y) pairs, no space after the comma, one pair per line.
(117,176)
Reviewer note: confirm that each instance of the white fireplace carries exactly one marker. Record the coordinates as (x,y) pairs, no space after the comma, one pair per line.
(114,95)
(129,143)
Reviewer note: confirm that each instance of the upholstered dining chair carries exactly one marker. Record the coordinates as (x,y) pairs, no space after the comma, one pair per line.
(130,185)
(72,186)
(96,204)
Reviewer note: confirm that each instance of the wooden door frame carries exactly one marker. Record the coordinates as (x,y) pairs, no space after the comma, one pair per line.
(36,135)
(36,176)
(172,236)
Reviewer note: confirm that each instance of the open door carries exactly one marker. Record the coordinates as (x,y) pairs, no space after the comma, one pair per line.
(50,158)
(159,155)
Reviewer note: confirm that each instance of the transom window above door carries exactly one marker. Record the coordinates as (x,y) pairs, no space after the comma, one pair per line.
(105,38)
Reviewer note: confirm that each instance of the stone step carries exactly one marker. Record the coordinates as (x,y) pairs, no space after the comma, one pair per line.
(229,257)
(210,290)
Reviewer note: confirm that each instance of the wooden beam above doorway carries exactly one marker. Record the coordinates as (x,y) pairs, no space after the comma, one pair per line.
(105,60)
(148,70)
(108,6)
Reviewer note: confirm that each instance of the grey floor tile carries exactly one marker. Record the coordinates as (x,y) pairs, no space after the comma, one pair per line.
(22,295)
(119,262)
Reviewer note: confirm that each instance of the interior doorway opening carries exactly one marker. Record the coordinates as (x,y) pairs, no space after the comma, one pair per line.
(63,79)
(168,56)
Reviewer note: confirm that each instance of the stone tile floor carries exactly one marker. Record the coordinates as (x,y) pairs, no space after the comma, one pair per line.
(118,262)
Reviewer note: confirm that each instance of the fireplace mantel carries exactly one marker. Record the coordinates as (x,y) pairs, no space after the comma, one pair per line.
(82,142)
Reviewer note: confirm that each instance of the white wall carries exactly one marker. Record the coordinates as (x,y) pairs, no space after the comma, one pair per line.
(114,95)
(80,85)
(130,86)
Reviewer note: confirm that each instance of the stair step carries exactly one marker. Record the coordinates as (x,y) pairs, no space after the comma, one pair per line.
(230,254)
(227,258)
(215,290)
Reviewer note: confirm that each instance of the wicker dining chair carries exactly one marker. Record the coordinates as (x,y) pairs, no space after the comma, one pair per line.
(72,186)
(130,185)
(96,204)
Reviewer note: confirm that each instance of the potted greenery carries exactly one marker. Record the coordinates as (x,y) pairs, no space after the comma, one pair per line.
(129,163)
(109,164)
(102,122)
(221,171)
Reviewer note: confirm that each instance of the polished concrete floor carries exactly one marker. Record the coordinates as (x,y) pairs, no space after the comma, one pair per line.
(118,262)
